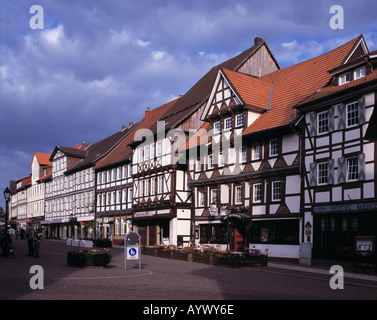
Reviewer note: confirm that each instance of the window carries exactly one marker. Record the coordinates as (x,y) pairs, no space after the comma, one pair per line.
(152,150)
(160,185)
(125,171)
(244,154)
(198,164)
(158,148)
(274,147)
(228,124)
(276,191)
(141,188)
(323,173)
(256,152)
(239,120)
(359,73)
(201,198)
(344,78)
(352,169)
(217,127)
(213,196)
(124,195)
(210,161)
(153,185)
(141,154)
(257,192)
(352,114)
(238,194)
(146,153)
(323,122)
(221,159)
(119,196)
(147,182)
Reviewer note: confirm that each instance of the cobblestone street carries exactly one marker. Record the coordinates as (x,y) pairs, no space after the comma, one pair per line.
(168,279)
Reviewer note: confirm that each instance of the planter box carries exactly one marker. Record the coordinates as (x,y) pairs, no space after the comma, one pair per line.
(201,258)
(164,253)
(79,260)
(179,255)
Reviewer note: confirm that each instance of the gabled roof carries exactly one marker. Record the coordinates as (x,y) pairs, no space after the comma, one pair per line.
(68,151)
(42,158)
(293,84)
(98,150)
(123,152)
(199,93)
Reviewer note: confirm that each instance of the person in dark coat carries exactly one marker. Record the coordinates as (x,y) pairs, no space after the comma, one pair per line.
(36,241)
(30,242)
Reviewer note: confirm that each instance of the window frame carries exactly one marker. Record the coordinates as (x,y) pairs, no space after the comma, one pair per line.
(217,127)
(228,121)
(274,190)
(355,114)
(257,192)
(238,117)
(355,76)
(351,171)
(322,173)
(345,75)
(238,194)
(274,147)
(320,125)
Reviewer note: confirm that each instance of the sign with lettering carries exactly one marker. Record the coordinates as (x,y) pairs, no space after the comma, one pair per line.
(346,207)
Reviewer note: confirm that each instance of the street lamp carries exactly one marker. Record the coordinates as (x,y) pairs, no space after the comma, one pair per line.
(228,212)
(6,197)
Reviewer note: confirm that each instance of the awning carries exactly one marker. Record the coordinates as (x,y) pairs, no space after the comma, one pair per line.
(236,216)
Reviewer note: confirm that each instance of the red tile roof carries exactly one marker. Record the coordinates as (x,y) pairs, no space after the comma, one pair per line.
(253,91)
(43,158)
(330,90)
(295,83)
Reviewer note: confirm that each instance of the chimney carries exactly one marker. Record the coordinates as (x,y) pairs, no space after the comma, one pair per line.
(85,145)
(130,124)
(76,146)
(258,41)
(147,113)
(124,128)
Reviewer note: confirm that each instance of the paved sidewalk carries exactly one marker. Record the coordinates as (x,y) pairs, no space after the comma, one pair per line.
(320,270)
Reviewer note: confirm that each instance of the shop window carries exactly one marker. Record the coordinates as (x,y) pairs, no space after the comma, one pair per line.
(275,232)
(213,233)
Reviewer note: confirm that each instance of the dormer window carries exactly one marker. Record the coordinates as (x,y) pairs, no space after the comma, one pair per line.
(344,78)
(359,73)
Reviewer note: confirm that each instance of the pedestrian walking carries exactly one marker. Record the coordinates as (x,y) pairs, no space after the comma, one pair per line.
(37,241)
(30,244)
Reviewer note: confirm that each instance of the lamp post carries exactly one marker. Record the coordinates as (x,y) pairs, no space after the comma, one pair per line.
(228,211)
(6,197)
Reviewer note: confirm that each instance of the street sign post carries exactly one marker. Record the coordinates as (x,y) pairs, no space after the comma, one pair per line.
(132,248)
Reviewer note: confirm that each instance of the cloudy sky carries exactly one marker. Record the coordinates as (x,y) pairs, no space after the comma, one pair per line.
(98,64)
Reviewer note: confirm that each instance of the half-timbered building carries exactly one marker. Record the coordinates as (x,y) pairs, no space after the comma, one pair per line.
(340,156)
(40,168)
(248,191)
